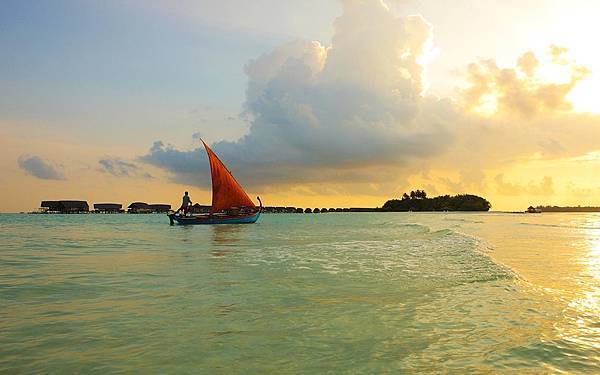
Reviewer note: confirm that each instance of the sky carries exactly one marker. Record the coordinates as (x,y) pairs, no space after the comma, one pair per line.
(309,103)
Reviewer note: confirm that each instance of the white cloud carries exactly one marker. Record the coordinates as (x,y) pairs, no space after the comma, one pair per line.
(314,109)
(355,113)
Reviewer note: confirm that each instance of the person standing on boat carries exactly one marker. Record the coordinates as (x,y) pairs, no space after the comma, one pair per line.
(186,204)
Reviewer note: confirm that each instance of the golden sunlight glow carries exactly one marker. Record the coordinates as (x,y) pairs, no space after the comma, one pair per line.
(590,156)
(572,27)
(553,73)
(593,258)
(488,105)
(579,317)
(537,83)
(585,96)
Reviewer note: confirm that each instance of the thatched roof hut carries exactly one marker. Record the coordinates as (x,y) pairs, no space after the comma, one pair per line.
(65,206)
(138,208)
(138,205)
(51,206)
(200,209)
(108,207)
(159,208)
(145,208)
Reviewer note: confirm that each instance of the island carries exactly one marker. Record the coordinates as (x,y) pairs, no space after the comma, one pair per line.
(567,209)
(418,201)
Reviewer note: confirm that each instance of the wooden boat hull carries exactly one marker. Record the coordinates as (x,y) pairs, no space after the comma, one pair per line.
(214,219)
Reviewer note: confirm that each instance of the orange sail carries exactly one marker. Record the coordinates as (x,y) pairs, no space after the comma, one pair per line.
(226,192)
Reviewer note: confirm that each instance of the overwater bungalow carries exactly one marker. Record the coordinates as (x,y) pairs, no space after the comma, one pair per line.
(64,207)
(316,211)
(108,208)
(200,209)
(363,209)
(145,208)
(281,210)
(159,208)
(307,211)
(138,208)
(299,210)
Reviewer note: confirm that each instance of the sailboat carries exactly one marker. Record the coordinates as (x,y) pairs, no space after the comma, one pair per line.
(230,203)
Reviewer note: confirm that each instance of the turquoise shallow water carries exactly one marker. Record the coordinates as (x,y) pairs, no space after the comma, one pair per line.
(301,293)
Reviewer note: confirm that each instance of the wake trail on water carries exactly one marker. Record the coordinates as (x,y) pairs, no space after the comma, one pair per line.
(409,252)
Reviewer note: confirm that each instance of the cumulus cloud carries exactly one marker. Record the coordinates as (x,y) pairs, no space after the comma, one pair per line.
(37,167)
(528,63)
(356,113)
(528,116)
(121,168)
(315,109)
(521,91)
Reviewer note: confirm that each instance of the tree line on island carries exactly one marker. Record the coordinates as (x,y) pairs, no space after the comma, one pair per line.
(565,209)
(417,201)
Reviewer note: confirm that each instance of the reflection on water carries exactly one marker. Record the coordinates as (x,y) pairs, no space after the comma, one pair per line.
(581,324)
(405,293)
(227,234)
(226,238)
(592,260)
(560,263)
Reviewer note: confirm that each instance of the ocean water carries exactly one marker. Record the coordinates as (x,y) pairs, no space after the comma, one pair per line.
(301,293)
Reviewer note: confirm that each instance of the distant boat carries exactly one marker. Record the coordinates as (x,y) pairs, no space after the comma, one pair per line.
(230,203)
